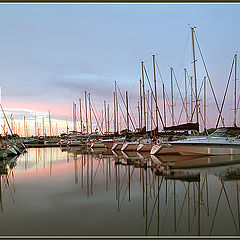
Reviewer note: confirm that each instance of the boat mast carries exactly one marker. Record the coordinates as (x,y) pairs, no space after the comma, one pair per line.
(86,111)
(171,69)
(114,113)
(74,118)
(235,93)
(140,91)
(127,111)
(147,121)
(116,105)
(191,99)
(164,105)
(102,122)
(185,77)
(108,125)
(151,113)
(42,126)
(50,126)
(105,116)
(144,105)
(204,106)
(194,70)
(155,88)
(90,112)
(80,113)
(139,119)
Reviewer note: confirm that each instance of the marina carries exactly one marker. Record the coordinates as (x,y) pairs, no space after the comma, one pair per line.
(119,120)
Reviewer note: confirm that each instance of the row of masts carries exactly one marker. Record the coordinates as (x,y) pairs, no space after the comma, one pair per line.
(87,120)
(148,101)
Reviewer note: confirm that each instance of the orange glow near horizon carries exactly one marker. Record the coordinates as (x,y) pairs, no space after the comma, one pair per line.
(59,109)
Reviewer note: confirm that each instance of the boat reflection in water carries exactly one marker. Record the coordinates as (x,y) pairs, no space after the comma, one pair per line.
(84,192)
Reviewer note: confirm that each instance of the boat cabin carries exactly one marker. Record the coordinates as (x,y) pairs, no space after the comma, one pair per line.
(233,132)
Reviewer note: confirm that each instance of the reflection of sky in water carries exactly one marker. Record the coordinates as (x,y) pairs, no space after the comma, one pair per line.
(58,193)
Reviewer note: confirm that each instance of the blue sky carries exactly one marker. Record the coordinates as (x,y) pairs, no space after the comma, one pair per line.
(51,53)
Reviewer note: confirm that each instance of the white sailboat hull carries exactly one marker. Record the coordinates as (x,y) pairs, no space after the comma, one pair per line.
(117,146)
(163,149)
(207,149)
(129,146)
(144,147)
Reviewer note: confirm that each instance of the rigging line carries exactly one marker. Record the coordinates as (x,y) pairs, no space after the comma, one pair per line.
(184,50)
(209,80)
(126,107)
(95,115)
(122,115)
(197,100)
(159,113)
(179,92)
(166,95)
(151,113)
(225,93)
(6,119)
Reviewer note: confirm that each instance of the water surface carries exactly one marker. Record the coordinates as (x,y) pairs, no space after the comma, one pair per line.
(47,191)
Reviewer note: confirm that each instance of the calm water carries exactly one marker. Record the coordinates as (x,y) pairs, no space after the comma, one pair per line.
(48,191)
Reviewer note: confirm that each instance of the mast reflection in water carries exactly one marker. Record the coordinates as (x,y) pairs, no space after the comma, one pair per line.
(47,191)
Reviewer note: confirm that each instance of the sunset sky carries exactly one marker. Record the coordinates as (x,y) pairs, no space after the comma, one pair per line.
(51,53)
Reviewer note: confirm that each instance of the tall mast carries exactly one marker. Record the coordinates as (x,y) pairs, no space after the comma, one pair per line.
(102,122)
(140,93)
(164,105)
(74,118)
(172,94)
(105,116)
(139,119)
(50,126)
(235,93)
(42,125)
(144,105)
(195,74)
(86,111)
(204,106)
(151,112)
(155,88)
(108,125)
(147,121)
(116,106)
(191,98)
(114,113)
(127,111)
(90,112)
(185,77)
(80,113)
